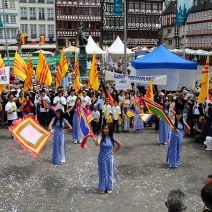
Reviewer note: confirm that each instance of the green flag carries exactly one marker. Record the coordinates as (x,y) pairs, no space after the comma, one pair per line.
(1,23)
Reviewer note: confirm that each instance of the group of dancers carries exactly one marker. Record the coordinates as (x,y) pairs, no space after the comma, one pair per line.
(109,145)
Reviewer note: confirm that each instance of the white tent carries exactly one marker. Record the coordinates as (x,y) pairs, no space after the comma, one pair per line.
(118,47)
(92,47)
(71,49)
(45,52)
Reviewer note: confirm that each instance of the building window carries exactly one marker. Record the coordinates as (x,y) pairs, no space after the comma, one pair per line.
(155,6)
(32,1)
(50,30)
(41,14)
(24,28)
(41,1)
(5,3)
(169,42)
(23,1)
(32,13)
(169,31)
(131,5)
(12,19)
(176,32)
(142,4)
(177,44)
(42,30)
(33,30)
(50,1)
(148,6)
(13,33)
(50,13)
(23,13)
(7,19)
(12,4)
(1,34)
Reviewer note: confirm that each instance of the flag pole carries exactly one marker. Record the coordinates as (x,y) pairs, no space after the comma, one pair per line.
(5,32)
(125,36)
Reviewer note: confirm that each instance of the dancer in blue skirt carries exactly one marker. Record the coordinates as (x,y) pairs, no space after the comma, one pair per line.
(57,126)
(165,131)
(176,141)
(108,147)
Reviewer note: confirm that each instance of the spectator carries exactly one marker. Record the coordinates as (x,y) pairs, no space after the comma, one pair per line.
(208,180)
(60,101)
(176,201)
(206,195)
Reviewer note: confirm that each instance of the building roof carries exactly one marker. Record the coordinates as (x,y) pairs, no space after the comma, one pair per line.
(171,8)
(201,5)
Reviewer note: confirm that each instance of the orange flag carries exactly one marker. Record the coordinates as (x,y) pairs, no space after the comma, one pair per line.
(203,95)
(43,72)
(76,76)
(30,72)
(62,69)
(2,65)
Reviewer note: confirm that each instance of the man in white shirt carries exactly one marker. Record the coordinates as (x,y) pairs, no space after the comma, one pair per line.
(116,112)
(60,101)
(11,110)
(95,123)
(70,103)
(106,111)
(86,100)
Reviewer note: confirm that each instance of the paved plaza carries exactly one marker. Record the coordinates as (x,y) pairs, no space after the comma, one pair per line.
(142,180)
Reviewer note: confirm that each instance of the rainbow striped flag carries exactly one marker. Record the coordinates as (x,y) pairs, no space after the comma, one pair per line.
(157,109)
(47,105)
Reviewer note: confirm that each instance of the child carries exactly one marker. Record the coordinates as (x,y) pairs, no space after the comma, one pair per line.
(95,123)
(116,112)
(138,124)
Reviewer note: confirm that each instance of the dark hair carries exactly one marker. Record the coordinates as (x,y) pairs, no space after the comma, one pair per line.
(61,118)
(210,176)
(78,98)
(110,133)
(164,107)
(181,119)
(206,195)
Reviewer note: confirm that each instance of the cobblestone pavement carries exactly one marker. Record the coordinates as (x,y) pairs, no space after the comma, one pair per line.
(142,180)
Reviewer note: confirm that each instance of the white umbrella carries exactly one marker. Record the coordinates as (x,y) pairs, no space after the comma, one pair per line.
(45,52)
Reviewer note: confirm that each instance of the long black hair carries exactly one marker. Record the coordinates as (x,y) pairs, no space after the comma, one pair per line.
(164,105)
(181,119)
(61,118)
(75,105)
(110,135)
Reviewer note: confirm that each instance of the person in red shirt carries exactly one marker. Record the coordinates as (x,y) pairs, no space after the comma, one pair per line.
(27,106)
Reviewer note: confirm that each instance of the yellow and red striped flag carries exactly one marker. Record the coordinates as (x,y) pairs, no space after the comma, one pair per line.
(2,65)
(203,95)
(94,76)
(149,92)
(30,72)
(43,72)
(62,69)
(19,67)
(76,76)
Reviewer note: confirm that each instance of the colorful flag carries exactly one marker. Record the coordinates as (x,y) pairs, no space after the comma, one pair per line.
(146,117)
(203,95)
(47,105)
(157,109)
(117,7)
(85,128)
(2,65)
(130,114)
(76,76)
(94,76)
(62,69)
(30,72)
(107,94)
(42,40)
(24,39)
(183,11)
(19,67)
(43,72)
(149,92)
(1,23)
(30,134)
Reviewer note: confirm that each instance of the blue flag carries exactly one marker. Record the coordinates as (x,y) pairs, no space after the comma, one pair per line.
(183,11)
(117,7)
(1,23)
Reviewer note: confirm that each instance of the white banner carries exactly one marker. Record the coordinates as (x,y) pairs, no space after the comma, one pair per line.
(5,75)
(156,80)
(122,84)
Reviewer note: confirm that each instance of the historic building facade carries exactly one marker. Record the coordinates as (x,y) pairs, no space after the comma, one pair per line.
(69,14)
(198,29)
(199,26)
(143,21)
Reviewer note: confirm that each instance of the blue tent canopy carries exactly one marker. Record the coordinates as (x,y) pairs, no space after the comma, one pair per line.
(161,57)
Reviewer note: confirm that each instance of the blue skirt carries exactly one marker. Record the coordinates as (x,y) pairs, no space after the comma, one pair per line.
(164,133)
